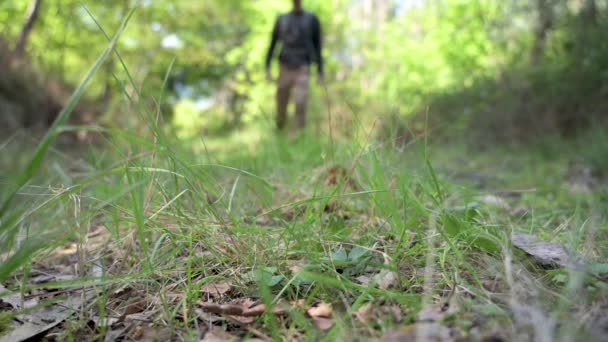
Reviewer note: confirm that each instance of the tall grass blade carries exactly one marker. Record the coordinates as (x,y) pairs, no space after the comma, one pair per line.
(34,164)
(29,246)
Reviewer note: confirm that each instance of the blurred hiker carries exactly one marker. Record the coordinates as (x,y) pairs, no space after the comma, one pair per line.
(299,32)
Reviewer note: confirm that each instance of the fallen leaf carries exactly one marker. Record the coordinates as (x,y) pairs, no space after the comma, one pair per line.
(430,314)
(137,333)
(41,320)
(247,302)
(216,334)
(322,323)
(96,271)
(433,332)
(216,289)
(282,307)
(403,334)
(135,307)
(233,309)
(335,174)
(330,207)
(207,317)
(244,320)
(320,310)
(139,317)
(546,254)
(257,310)
(427,332)
(396,312)
(386,279)
(116,333)
(107,322)
(435,313)
(222,309)
(154,334)
(296,266)
(245,311)
(364,280)
(10,302)
(45,278)
(365,313)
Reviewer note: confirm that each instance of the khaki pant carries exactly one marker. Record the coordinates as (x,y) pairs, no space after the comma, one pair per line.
(296,78)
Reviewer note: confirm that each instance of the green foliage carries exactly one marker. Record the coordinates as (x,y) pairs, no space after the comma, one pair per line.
(466,63)
(594,150)
(8,221)
(251,208)
(5,319)
(175,233)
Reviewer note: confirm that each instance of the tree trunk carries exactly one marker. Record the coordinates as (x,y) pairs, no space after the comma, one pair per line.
(545,24)
(32,16)
(591,13)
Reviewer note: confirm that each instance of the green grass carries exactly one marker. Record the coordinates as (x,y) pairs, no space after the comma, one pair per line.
(173,222)
(151,220)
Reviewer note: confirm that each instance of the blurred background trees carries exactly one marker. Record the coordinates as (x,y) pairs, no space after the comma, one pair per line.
(502,69)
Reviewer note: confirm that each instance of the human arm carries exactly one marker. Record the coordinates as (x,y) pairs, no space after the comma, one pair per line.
(317,41)
(273,42)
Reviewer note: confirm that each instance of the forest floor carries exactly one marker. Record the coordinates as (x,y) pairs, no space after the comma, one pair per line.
(302,238)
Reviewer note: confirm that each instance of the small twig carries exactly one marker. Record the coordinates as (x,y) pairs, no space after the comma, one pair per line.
(234,309)
(252,330)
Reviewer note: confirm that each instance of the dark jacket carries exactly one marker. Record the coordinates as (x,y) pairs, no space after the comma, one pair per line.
(300,36)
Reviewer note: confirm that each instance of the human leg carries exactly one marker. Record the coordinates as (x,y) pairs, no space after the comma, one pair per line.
(302,80)
(284,85)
